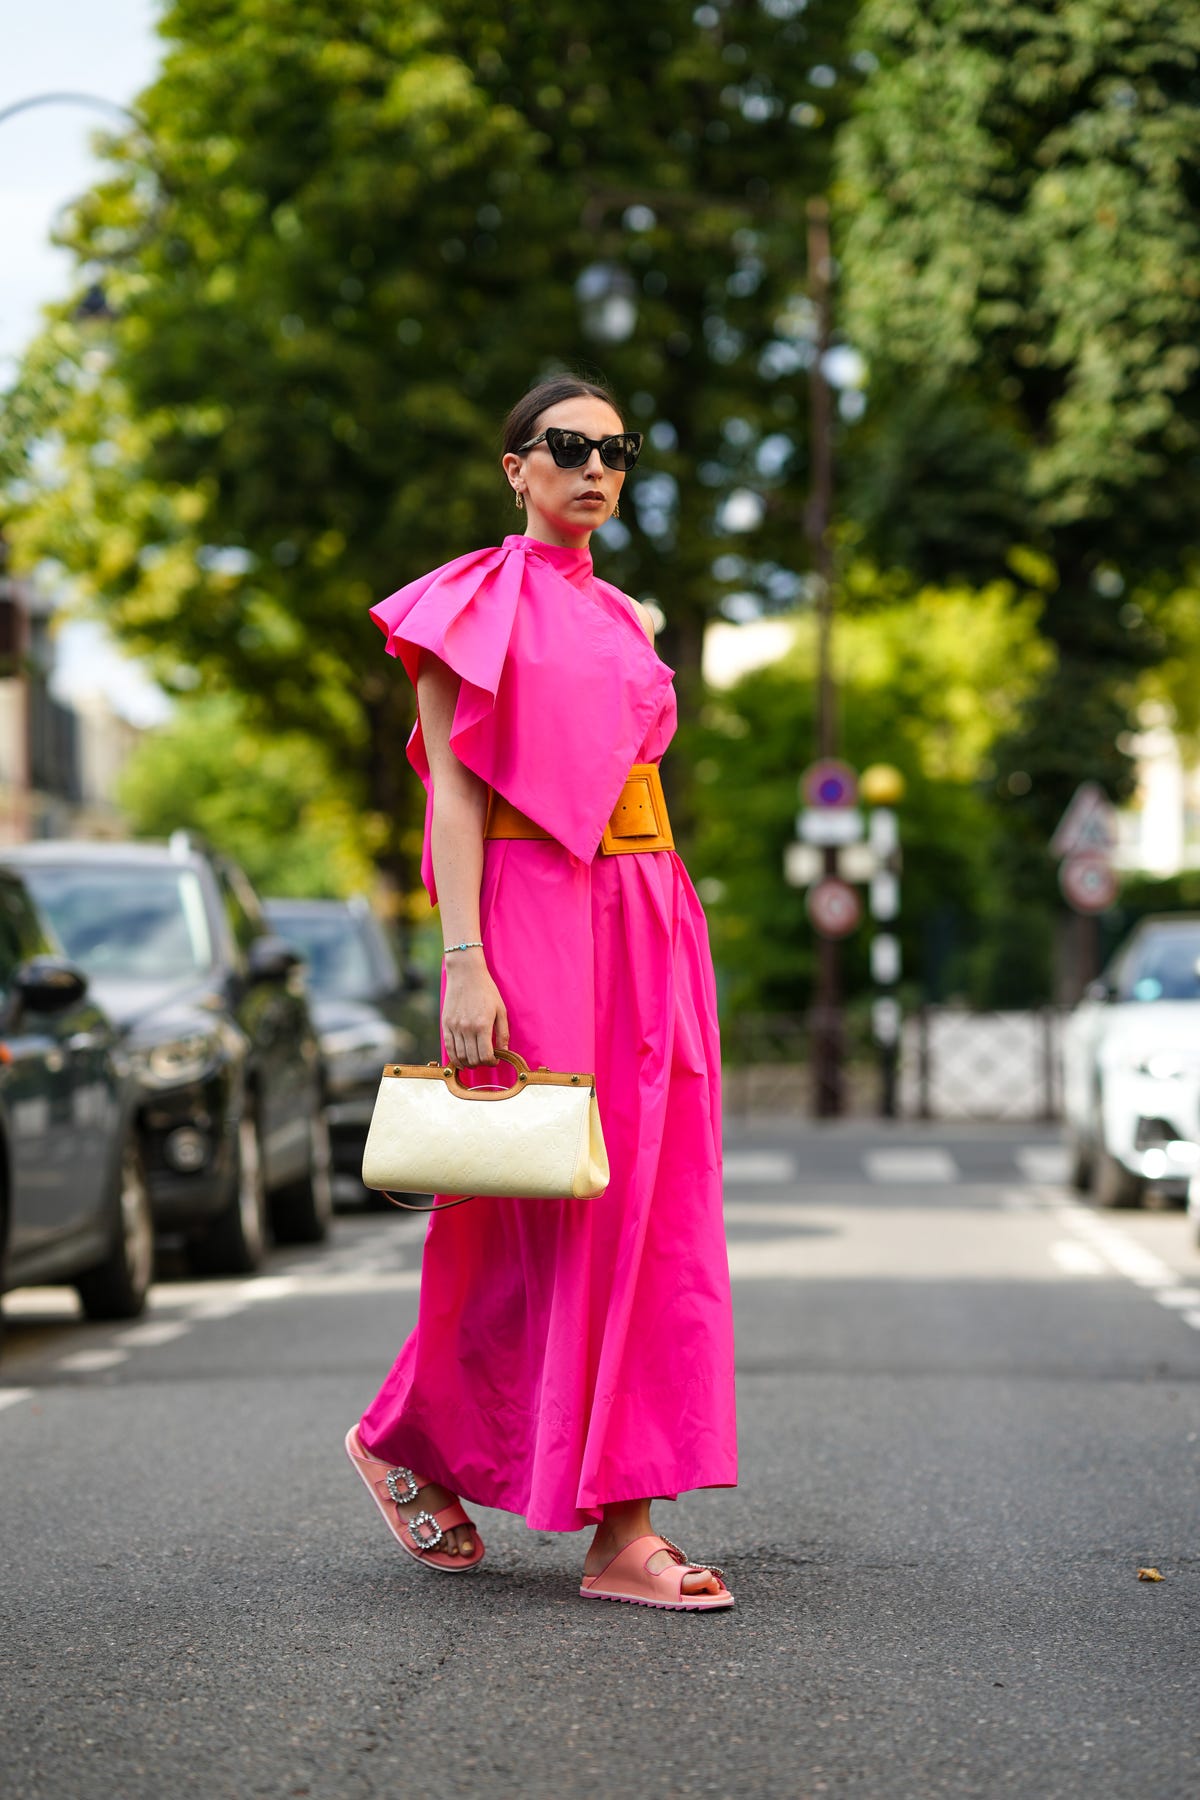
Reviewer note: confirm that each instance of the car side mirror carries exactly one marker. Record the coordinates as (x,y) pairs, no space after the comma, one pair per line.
(272,959)
(1100,990)
(45,984)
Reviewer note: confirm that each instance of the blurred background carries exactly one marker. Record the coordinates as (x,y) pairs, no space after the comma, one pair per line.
(906,300)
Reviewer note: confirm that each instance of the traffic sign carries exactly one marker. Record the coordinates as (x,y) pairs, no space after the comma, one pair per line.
(829,825)
(857,862)
(829,783)
(802,864)
(834,907)
(1089,825)
(1088,882)
(885,959)
(884,895)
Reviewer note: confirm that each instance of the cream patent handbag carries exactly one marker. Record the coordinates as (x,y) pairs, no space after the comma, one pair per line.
(539,1139)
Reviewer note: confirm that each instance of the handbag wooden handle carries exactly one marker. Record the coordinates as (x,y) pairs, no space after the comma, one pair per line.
(525,1077)
(453,1071)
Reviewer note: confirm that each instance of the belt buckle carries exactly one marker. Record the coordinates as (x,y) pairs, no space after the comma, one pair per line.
(645,825)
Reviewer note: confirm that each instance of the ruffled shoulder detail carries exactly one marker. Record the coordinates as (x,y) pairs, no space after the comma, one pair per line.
(462,613)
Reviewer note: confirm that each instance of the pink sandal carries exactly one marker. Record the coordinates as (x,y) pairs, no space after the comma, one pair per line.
(391,1488)
(627,1578)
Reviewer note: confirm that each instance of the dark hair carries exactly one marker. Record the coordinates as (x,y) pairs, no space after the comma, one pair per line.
(521,423)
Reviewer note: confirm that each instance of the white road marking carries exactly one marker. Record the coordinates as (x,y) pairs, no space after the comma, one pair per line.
(777,1259)
(1077,1259)
(1130,1259)
(268,1287)
(1043,1162)
(767,1212)
(1180,1296)
(362,1281)
(905,1164)
(744,1166)
(10,1396)
(154,1331)
(227,1307)
(88,1362)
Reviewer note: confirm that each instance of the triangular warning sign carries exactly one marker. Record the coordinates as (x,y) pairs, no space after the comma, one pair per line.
(1089,823)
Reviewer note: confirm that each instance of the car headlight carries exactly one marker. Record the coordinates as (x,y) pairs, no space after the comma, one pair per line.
(181,1060)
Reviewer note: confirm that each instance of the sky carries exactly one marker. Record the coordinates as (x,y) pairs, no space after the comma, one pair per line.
(102,47)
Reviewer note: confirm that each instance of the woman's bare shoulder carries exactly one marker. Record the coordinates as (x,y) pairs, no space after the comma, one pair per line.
(645,615)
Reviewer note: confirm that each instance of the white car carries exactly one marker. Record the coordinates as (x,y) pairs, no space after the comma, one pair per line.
(1131,1068)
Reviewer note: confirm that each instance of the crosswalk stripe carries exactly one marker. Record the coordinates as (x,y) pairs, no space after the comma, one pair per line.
(746,1166)
(910,1164)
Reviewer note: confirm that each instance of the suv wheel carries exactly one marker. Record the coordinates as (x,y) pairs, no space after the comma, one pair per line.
(1114,1185)
(117,1287)
(301,1212)
(1081,1164)
(235,1242)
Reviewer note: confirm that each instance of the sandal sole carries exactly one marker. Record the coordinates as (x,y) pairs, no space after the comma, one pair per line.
(717,1603)
(354,1452)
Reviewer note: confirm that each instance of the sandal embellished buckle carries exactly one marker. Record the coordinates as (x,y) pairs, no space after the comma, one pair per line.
(423,1528)
(411,1490)
(426,1533)
(693,1568)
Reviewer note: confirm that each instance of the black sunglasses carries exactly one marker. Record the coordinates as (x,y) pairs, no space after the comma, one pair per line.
(570,449)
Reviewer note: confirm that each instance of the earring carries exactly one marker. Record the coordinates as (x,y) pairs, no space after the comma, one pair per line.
(520,500)
(616,512)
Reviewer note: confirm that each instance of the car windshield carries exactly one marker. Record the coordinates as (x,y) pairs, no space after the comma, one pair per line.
(1163,965)
(140,924)
(336,949)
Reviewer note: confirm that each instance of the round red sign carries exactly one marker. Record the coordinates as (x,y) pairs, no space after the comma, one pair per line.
(834,907)
(1089,883)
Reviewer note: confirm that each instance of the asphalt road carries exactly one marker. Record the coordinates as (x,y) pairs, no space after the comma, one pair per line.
(969,1415)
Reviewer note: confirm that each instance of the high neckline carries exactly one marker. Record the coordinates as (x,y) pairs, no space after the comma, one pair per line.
(572,562)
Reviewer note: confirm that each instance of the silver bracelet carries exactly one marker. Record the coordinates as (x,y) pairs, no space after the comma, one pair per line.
(451,948)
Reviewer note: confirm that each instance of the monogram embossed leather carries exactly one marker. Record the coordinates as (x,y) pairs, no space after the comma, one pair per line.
(540,1139)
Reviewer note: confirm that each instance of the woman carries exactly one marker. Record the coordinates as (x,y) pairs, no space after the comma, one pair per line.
(572,1360)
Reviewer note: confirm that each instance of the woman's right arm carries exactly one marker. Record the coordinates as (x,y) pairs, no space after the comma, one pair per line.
(474,1022)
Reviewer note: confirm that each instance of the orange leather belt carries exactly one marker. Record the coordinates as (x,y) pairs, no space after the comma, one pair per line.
(639,819)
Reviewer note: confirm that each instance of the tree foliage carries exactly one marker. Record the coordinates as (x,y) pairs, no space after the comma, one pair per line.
(343,243)
(271,800)
(1022,259)
(1021,242)
(929,680)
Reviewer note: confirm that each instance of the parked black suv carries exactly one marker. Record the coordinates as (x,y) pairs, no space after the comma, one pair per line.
(74,1205)
(214,1018)
(368,1010)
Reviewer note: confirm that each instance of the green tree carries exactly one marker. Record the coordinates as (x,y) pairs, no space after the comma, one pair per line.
(342,244)
(270,800)
(1021,254)
(929,680)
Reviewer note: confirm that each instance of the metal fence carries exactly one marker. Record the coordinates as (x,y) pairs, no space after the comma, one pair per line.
(954,1064)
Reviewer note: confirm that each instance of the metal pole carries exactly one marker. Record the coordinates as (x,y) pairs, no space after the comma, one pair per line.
(827,1038)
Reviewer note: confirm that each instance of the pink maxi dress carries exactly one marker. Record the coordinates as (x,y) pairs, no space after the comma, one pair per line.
(572,1353)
